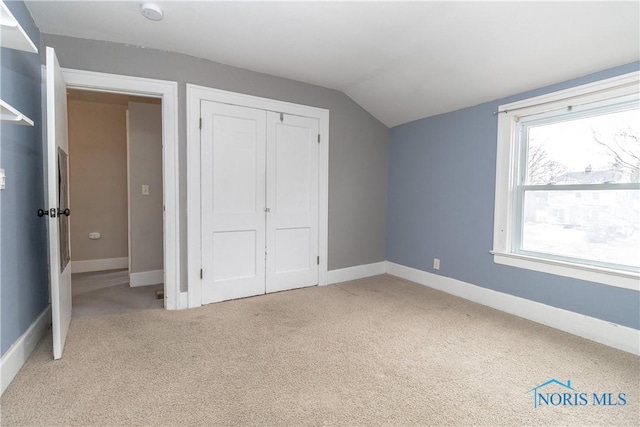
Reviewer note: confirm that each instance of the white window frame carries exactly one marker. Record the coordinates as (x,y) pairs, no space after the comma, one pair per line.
(506,205)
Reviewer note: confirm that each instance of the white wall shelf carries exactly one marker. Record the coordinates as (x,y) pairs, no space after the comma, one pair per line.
(12,35)
(8,114)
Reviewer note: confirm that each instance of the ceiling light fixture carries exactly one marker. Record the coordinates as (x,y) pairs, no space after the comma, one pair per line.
(151,11)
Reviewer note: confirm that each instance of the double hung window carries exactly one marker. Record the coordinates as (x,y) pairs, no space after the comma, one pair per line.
(568,183)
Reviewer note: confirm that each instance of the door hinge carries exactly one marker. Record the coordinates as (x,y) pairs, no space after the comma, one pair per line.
(281,117)
(318,260)
(318,138)
(201,273)
(200,123)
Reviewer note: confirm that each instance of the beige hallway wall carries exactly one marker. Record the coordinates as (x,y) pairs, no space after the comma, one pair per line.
(145,168)
(98,178)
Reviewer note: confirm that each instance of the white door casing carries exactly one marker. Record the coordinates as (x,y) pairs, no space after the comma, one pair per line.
(233,197)
(292,202)
(168,92)
(57,146)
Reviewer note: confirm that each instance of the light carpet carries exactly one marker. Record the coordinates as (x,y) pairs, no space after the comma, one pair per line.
(376,351)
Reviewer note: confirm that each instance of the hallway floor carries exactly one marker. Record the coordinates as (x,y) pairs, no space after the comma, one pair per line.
(107,292)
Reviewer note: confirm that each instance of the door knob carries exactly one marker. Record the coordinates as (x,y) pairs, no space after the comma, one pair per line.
(51,212)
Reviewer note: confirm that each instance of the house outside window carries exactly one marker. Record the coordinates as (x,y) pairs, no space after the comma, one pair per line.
(568,183)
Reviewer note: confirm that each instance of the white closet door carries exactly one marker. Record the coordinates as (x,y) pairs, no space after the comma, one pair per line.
(233,196)
(292,202)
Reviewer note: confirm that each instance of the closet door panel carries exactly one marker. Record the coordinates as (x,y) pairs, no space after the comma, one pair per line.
(293,247)
(233,196)
(292,201)
(235,153)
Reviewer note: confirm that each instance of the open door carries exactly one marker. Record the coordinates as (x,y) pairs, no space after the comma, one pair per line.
(58,203)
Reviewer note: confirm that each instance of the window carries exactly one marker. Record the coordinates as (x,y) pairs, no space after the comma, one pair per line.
(568,183)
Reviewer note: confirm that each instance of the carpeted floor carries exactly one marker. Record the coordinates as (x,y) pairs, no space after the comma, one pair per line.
(377,351)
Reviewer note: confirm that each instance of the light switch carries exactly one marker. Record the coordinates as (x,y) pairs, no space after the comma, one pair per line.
(145,190)
(2,179)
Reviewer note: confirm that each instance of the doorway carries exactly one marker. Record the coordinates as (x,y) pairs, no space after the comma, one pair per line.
(115,152)
(175,292)
(57,81)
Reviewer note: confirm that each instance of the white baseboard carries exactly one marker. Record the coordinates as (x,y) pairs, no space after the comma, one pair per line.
(146,278)
(603,332)
(357,272)
(99,265)
(19,352)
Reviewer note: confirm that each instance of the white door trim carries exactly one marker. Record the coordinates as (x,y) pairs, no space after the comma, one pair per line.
(196,94)
(168,92)
(129,257)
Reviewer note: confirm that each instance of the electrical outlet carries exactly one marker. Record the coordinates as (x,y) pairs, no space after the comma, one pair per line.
(145,190)
(436,264)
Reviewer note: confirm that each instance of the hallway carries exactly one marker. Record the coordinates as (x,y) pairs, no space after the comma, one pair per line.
(107,292)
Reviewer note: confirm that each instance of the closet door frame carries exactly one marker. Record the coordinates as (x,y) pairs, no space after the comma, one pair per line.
(195,95)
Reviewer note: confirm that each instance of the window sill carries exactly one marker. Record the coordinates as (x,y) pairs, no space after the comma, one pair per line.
(619,279)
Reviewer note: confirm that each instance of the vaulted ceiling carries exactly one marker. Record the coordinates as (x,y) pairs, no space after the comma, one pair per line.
(401,61)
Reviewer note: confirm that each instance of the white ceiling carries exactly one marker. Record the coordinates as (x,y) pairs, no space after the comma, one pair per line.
(401,61)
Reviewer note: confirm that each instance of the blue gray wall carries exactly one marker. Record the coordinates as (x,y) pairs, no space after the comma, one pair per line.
(24,281)
(441,203)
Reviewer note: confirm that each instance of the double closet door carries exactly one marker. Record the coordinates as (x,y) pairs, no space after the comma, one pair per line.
(259,200)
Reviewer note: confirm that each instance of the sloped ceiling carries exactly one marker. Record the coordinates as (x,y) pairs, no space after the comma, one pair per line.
(401,61)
